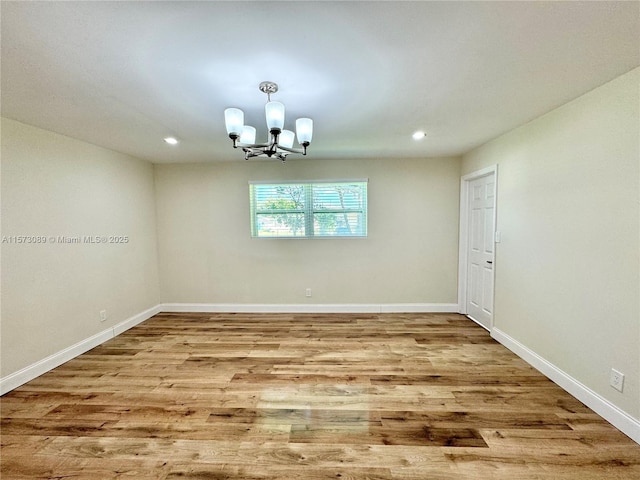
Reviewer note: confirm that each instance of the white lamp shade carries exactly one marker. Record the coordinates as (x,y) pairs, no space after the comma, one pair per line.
(275,115)
(248,135)
(286,138)
(234,120)
(304,130)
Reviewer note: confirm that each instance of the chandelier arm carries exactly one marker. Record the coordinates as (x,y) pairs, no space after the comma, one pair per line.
(303,150)
(255,151)
(253,145)
(250,153)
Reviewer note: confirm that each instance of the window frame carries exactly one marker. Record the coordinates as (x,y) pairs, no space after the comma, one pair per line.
(309,210)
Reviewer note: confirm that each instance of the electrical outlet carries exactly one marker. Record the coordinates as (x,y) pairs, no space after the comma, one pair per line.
(308,292)
(103,315)
(616,379)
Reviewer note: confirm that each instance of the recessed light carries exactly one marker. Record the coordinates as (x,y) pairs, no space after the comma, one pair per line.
(171,140)
(419,135)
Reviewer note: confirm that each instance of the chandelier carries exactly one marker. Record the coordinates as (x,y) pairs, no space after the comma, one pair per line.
(280,143)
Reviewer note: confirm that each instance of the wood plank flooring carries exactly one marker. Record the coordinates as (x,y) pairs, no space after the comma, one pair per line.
(308,397)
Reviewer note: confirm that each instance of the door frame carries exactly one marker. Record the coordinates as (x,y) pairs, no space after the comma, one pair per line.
(465,181)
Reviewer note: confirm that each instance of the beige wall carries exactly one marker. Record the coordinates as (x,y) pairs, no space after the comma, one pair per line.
(208,256)
(52,293)
(568,267)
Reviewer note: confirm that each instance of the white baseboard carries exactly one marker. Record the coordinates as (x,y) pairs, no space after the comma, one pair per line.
(617,417)
(135,320)
(41,367)
(419,308)
(14,380)
(311,308)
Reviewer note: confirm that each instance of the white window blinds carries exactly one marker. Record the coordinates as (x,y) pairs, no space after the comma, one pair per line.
(310,209)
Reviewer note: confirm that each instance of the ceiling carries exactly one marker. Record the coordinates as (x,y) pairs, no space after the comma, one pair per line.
(124,75)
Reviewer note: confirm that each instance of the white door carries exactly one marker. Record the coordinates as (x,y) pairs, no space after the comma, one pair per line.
(480,249)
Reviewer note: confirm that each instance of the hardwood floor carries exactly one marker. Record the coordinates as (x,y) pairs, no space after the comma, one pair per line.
(308,397)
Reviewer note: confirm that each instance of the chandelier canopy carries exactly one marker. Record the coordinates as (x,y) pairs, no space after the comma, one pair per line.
(280,143)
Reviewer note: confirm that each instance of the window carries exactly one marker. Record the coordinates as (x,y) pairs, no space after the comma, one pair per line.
(304,210)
